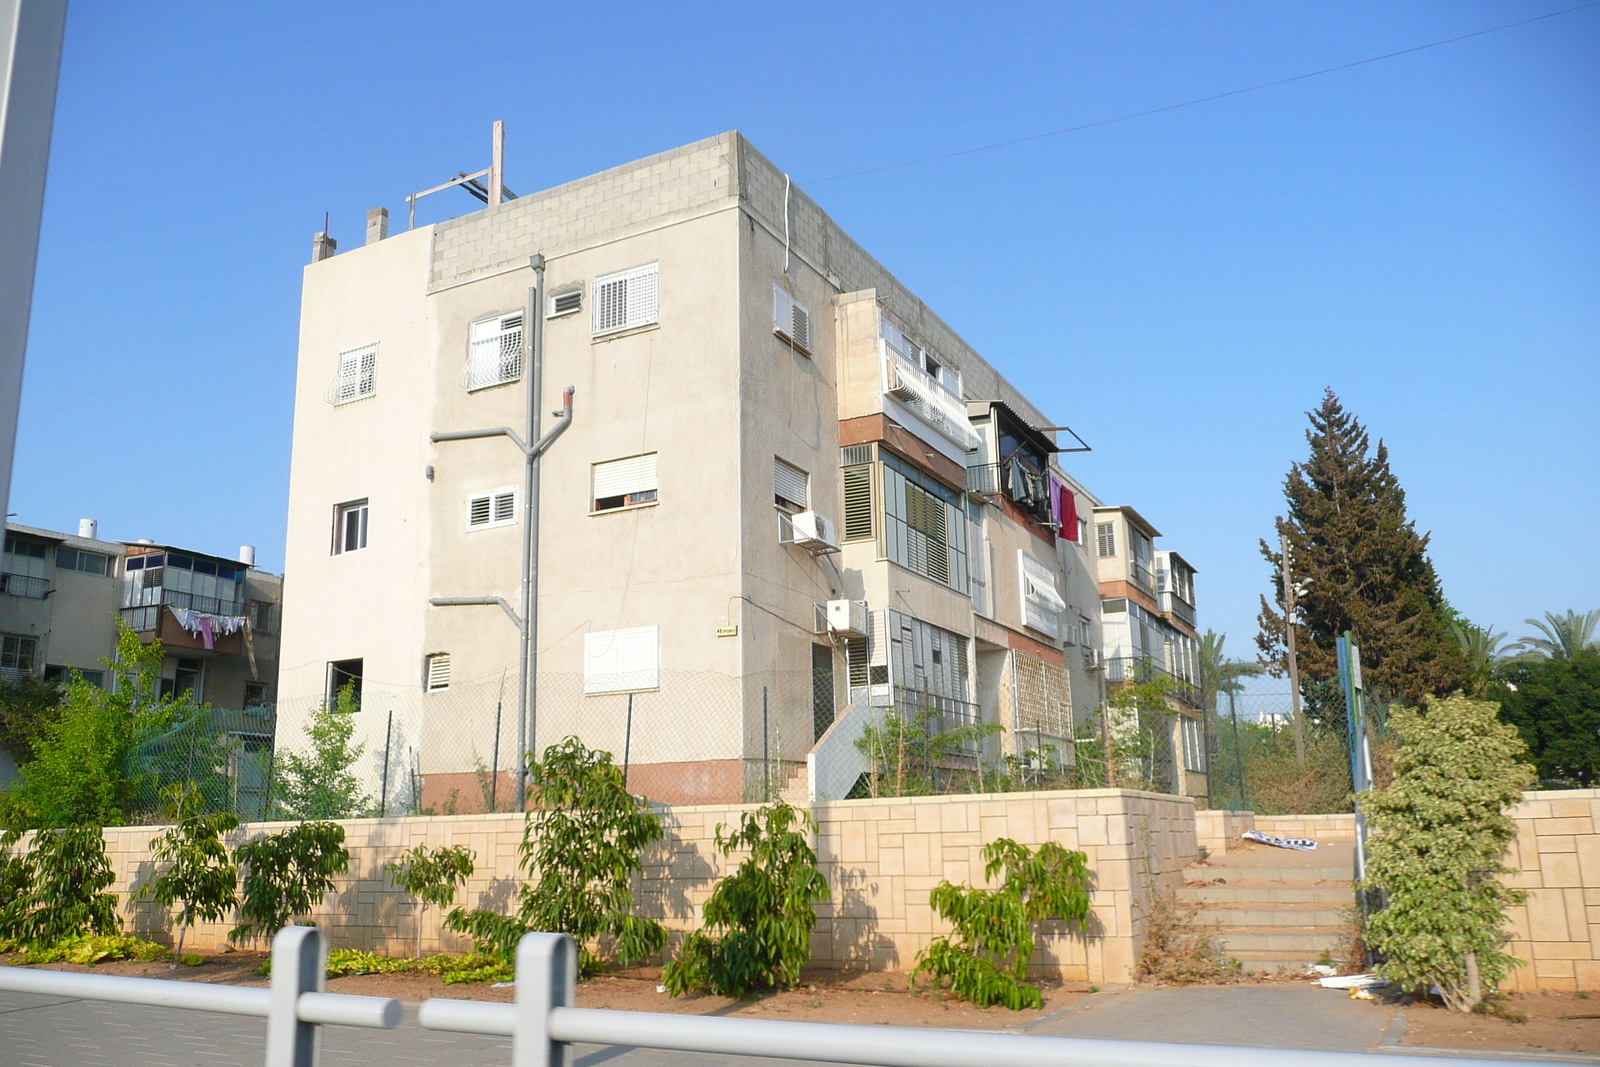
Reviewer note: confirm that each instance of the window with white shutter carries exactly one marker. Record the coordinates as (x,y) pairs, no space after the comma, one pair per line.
(622,483)
(495,508)
(858,503)
(626,300)
(621,661)
(357,376)
(1106,533)
(791,486)
(791,320)
(438,672)
(1041,603)
(494,351)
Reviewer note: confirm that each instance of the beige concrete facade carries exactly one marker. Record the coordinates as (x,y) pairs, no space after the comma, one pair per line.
(719,395)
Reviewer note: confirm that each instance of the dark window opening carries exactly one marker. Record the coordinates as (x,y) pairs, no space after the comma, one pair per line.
(822,709)
(342,673)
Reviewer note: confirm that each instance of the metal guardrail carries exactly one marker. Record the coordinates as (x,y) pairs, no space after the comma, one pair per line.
(294,1005)
(544,1021)
(24,585)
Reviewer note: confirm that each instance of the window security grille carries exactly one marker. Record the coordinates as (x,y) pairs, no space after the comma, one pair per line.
(857,503)
(494,351)
(850,455)
(1041,604)
(626,300)
(621,661)
(1106,533)
(18,655)
(621,483)
(498,508)
(564,302)
(438,671)
(791,486)
(357,377)
(791,320)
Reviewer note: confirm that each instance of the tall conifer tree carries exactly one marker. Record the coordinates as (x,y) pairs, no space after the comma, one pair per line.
(1363,567)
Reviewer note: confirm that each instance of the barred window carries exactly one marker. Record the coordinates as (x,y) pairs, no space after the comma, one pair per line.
(626,299)
(494,351)
(357,376)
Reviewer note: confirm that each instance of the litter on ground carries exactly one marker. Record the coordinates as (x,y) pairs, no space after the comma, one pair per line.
(1299,844)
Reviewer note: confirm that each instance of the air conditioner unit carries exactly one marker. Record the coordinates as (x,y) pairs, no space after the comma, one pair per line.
(1092,657)
(813,531)
(848,617)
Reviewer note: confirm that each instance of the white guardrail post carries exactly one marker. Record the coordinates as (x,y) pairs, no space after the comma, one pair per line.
(299,965)
(547,977)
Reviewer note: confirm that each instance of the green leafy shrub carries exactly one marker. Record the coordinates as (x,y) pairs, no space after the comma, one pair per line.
(584,848)
(191,959)
(432,876)
(287,874)
(453,970)
(915,757)
(318,784)
(197,874)
(985,959)
(1440,832)
(58,889)
(90,950)
(765,911)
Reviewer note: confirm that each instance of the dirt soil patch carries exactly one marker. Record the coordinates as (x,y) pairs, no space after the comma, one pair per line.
(827,996)
(1554,1024)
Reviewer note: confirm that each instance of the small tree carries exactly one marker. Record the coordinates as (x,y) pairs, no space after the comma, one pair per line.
(199,876)
(28,706)
(58,888)
(584,846)
(287,874)
(318,784)
(765,911)
(1440,832)
(914,757)
(432,876)
(986,957)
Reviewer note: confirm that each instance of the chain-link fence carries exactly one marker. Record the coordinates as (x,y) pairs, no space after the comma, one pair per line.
(1256,764)
(225,755)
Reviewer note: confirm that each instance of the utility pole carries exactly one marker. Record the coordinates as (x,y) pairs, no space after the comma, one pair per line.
(533,446)
(1289,602)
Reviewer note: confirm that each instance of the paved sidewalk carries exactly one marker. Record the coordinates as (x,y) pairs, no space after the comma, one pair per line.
(1298,1016)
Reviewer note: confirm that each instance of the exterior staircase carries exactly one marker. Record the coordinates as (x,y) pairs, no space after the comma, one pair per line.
(1275,909)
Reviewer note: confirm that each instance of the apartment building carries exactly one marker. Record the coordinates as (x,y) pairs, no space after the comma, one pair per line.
(790,502)
(1148,621)
(217,619)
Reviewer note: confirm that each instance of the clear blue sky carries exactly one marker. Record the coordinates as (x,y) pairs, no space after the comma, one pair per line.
(1423,234)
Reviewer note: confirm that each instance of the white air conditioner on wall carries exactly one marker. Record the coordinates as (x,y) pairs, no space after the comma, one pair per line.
(848,618)
(813,531)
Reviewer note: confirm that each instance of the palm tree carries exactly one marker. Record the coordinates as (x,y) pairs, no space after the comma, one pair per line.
(1564,635)
(1481,647)
(1219,674)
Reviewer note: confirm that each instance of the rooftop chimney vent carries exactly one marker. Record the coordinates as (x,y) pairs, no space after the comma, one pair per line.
(89,528)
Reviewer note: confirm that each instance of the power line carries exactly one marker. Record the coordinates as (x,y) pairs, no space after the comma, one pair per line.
(1203,99)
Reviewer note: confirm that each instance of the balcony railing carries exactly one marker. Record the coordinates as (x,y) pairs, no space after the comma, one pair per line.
(1139,669)
(1174,605)
(1139,575)
(1028,490)
(143,618)
(984,479)
(930,401)
(943,713)
(24,585)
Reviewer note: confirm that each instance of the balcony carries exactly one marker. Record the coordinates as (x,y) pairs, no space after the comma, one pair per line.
(148,612)
(928,400)
(1174,605)
(1023,487)
(1139,576)
(24,585)
(1139,669)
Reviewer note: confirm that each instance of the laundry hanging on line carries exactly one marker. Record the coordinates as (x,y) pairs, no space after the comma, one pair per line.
(207,626)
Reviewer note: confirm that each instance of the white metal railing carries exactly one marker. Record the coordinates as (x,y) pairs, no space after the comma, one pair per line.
(544,1021)
(294,1005)
(930,401)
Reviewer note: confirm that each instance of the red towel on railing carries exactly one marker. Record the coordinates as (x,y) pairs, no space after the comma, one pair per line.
(1069,513)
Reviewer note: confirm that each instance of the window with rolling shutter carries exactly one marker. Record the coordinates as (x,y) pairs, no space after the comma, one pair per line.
(925,529)
(791,486)
(494,351)
(791,320)
(621,483)
(626,299)
(496,508)
(858,503)
(357,377)
(1041,603)
(1106,533)
(438,672)
(621,661)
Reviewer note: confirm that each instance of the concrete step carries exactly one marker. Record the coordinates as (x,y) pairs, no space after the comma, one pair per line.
(1247,917)
(1261,875)
(1267,893)
(1306,943)
(1259,962)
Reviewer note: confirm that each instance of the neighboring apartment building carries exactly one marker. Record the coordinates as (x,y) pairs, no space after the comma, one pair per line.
(217,619)
(790,498)
(1148,621)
